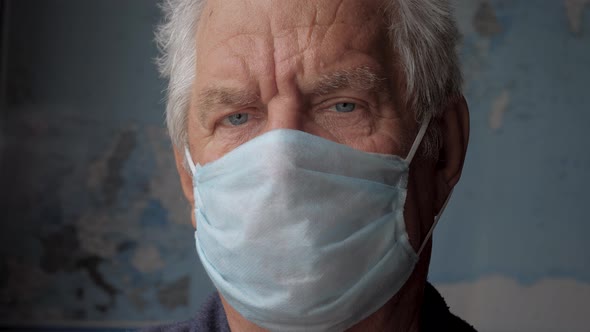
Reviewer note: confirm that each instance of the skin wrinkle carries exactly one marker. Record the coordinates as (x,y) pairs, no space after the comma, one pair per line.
(337,11)
(247,60)
(331,24)
(213,97)
(300,52)
(362,79)
(311,29)
(409,18)
(351,50)
(290,56)
(234,53)
(241,58)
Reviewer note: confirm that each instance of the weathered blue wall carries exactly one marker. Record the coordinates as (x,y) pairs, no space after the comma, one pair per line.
(94,226)
(94,223)
(512,252)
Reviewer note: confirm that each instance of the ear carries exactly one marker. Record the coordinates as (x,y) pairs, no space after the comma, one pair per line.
(454,126)
(186,180)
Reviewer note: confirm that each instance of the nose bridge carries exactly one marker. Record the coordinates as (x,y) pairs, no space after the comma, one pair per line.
(285,112)
(285,109)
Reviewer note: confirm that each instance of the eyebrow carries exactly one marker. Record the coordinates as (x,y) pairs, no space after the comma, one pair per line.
(216,96)
(361,79)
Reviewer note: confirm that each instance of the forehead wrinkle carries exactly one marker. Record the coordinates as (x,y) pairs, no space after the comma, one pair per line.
(305,37)
(337,11)
(361,78)
(210,98)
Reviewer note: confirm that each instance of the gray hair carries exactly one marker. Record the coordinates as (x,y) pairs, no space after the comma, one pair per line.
(423,34)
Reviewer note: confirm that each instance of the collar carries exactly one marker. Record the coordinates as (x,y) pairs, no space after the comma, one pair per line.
(436,316)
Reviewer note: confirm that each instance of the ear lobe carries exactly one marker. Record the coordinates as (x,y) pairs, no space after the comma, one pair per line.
(186,179)
(455,135)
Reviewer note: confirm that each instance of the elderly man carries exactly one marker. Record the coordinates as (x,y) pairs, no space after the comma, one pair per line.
(317,141)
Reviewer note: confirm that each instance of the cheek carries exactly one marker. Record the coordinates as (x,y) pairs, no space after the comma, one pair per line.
(378,143)
(204,147)
(349,128)
(386,137)
(211,151)
(346,128)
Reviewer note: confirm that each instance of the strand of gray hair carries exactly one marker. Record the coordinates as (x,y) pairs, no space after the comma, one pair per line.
(423,34)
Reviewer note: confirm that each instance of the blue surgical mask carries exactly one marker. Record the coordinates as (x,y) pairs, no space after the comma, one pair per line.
(299,233)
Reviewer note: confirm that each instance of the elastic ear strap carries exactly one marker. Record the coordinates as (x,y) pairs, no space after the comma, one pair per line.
(189,160)
(436,219)
(419,137)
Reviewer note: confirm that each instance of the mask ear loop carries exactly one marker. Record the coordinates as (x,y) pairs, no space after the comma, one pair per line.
(189,161)
(419,138)
(409,159)
(436,219)
(193,170)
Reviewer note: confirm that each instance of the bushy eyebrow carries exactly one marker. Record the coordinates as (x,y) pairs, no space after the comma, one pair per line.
(361,79)
(216,96)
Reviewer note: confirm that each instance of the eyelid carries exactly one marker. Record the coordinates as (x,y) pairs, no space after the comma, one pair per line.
(365,98)
(252,112)
(332,102)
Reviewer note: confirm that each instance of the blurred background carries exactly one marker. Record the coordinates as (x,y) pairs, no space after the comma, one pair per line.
(96,233)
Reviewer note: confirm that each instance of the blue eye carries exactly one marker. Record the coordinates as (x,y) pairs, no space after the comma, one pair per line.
(345,107)
(237,119)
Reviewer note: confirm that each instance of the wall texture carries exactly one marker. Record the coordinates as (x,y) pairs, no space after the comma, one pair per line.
(512,252)
(95,229)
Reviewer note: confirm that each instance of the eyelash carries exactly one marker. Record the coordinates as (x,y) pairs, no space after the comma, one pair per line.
(224,121)
(330,105)
(325,106)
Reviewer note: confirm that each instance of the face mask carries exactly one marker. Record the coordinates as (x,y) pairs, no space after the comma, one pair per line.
(299,233)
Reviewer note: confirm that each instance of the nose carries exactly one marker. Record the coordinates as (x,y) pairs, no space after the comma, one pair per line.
(285,113)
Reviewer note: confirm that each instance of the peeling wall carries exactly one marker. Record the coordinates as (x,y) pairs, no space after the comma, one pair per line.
(95,227)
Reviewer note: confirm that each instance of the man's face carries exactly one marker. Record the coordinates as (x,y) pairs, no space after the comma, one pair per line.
(323,67)
(320,66)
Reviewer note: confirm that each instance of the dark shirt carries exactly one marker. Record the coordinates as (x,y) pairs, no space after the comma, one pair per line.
(436,317)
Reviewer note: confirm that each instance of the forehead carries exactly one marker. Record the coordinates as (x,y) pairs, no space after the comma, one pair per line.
(253,36)
(250,16)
